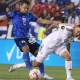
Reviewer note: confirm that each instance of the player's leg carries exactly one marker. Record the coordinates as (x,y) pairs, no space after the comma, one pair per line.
(41,55)
(21,65)
(63,52)
(34,50)
(41,66)
(23,45)
(68,64)
(17,66)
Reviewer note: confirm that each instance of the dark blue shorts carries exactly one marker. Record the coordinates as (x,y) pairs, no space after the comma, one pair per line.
(25,41)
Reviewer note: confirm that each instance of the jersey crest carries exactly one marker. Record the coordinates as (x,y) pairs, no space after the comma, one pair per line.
(62,27)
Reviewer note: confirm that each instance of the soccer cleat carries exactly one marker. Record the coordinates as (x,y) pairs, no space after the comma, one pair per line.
(46,77)
(70,78)
(13,68)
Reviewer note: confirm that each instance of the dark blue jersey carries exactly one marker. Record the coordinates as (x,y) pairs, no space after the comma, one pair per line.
(21,23)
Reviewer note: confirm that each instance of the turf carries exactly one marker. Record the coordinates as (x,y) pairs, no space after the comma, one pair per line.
(58,73)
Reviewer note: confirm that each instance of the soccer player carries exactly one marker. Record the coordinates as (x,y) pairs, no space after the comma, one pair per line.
(54,43)
(20,20)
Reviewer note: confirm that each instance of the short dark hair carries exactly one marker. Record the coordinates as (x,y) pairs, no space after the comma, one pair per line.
(24,1)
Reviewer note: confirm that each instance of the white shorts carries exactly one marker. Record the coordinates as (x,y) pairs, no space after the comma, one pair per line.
(45,51)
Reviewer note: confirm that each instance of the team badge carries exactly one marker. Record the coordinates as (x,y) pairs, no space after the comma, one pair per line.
(62,27)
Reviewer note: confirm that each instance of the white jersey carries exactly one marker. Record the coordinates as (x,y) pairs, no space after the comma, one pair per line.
(54,42)
(63,34)
(66,31)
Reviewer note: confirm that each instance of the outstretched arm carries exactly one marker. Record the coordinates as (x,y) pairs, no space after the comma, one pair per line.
(44,21)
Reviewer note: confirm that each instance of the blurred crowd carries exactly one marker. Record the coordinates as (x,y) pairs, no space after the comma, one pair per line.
(64,10)
(61,10)
(67,11)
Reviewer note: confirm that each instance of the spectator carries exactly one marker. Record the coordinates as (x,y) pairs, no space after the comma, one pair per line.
(49,1)
(73,18)
(43,1)
(17,6)
(66,1)
(55,8)
(67,10)
(78,10)
(37,9)
(46,9)
(45,15)
(3,25)
(76,2)
(60,2)
(57,16)
(3,7)
(71,6)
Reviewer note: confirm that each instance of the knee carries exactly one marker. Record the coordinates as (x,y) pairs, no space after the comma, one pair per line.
(25,49)
(68,58)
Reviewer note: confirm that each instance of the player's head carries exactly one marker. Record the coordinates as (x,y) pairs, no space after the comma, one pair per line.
(24,6)
(76,31)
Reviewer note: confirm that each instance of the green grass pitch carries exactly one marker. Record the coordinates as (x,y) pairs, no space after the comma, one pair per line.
(58,73)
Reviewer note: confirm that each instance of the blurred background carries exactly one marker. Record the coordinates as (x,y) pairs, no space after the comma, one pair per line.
(67,11)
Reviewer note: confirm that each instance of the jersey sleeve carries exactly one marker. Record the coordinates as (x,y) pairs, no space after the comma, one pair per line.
(33,18)
(10,15)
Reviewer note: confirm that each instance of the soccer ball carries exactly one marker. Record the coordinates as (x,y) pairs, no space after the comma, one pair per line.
(35,74)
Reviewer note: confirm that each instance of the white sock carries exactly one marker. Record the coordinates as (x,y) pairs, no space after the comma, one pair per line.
(68,66)
(21,65)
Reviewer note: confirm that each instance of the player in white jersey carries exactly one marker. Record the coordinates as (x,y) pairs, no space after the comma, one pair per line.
(54,43)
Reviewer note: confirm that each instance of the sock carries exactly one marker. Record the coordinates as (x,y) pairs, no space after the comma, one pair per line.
(68,66)
(27,61)
(41,68)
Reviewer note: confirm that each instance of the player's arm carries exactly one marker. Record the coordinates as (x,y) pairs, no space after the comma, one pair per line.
(50,28)
(44,21)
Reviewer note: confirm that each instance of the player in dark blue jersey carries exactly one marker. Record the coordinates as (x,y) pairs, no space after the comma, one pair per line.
(20,20)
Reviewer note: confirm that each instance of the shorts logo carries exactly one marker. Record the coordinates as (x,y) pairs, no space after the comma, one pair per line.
(32,40)
(62,27)
(23,41)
